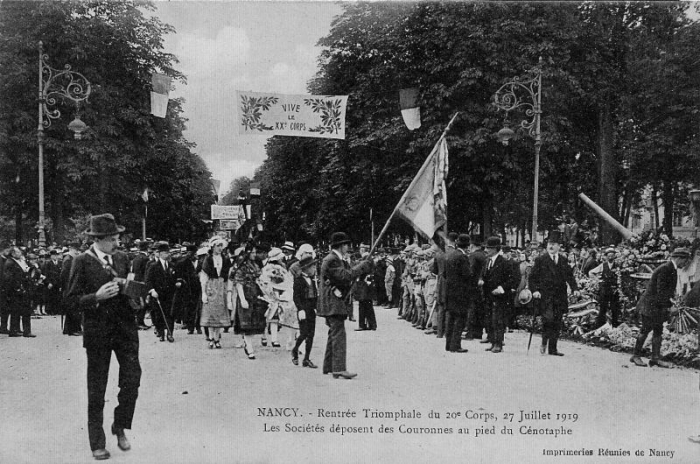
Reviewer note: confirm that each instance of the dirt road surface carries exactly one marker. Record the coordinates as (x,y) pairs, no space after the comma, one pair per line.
(215,406)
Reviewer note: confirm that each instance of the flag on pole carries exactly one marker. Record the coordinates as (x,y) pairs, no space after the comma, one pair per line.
(144,195)
(424,204)
(160,94)
(409,108)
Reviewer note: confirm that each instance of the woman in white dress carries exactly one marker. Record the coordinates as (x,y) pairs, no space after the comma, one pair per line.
(277,286)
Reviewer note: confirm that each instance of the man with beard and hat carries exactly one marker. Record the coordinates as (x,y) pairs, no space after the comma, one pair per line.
(655,306)
(335,303)
(110,326)
(498,281)
(189,293)
(458,294)
(162,284)
(550,275)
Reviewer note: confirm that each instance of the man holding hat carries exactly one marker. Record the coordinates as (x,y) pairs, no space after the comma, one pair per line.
(110,326)
(335,302)
(550,275)
(608,297)
(655,304)
(498,282)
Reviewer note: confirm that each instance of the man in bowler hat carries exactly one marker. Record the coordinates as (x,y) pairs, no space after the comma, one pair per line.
(550,275)
(335,302)
(162,284)
(110,326)
(498,282)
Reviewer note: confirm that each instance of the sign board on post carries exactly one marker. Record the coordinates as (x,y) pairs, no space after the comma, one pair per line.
(229,224)
(225,211)
(255,189)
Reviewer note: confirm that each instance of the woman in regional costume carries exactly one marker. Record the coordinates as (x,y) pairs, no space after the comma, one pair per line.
(249,316)
(213,279)
(277,285)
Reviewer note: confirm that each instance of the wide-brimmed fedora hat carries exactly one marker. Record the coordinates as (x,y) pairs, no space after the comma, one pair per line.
(103,225)
(525,296)
(339,238)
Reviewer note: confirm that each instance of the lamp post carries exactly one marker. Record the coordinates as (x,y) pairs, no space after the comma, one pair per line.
(507,98)
(54,83)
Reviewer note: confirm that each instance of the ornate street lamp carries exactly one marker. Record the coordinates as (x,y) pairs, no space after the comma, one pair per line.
(54,83)
(507,98)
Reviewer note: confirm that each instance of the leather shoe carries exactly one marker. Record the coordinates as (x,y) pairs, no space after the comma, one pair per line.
(485,341)
(122,442)
(660,363)
(556,353)
(344,374)
(14,334)
(360,329)
(29,335)
(638,361)
(308,363)
(430,332)
(497,349)
(100,454)
(460,350)
(170,338)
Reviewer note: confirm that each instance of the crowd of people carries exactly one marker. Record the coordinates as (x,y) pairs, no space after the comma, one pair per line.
(456,288)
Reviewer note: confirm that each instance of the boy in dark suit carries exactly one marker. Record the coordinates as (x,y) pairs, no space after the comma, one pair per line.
(550,275)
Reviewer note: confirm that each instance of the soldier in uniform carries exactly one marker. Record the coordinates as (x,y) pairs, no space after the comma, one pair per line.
(550,275)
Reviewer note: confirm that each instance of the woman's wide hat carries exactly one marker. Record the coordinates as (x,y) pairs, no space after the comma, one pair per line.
(103,225)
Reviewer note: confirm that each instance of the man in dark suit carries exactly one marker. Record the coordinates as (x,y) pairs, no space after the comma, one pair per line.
(73,323)
(438,268)
(52,271)
(161,284)
(138,267)
(498,281)
(335,303)
(479,316)
(189,293)
(550,275)
(17,284)
(654,306)
(4,309)
(110,325)
(457,294)
(608,297)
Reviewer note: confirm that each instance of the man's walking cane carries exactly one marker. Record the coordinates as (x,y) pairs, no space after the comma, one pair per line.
(164,318)
(532,326)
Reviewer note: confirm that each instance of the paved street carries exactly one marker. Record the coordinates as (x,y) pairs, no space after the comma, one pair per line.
(213,406)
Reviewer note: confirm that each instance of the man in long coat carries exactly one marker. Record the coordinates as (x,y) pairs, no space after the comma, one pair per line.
(189,293)
(654,306)
(498,282)
(457,294)
(335,302)
(110,325)
(73,322)
(550,275)
(162,284)
(52,271)
(16,285)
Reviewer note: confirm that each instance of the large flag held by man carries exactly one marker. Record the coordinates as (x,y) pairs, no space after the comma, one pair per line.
(424,204)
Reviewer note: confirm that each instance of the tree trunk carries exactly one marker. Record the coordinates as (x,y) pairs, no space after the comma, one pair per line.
(607,192)
(487,216)
(668,199)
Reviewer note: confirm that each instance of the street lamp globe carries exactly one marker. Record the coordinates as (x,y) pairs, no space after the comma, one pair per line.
(505,135)
(77,127)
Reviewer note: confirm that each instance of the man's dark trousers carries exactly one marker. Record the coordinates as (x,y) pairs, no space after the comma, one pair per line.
(98,359)
(334,360)
(454,325)
(366,317)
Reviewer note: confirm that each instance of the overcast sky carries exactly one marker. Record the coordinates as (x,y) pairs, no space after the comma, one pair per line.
(227,46)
